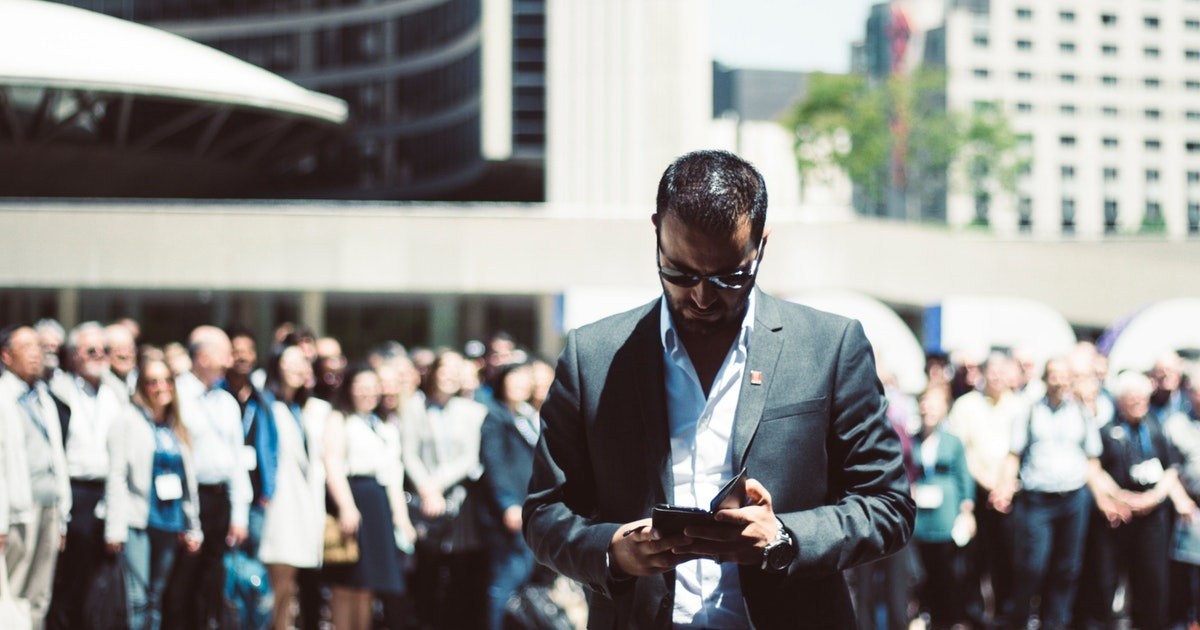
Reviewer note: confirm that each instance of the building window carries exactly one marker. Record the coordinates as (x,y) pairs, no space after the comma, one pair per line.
(1191,85)
(1191,24)
(1153,144)
(1066,109)
(1110,174)
(1193,212)
(1152,175)
(1110,142)
(1153,114)
(1024,13)
(1192,146)
(1191,54)
(1193,178)
(1151,52)
(1108,50)
(1024,44)
(1153,213)
(1109,80)
(1068,215)
(980,40)
(980,73)
(1150,22)
(1068,172)
(1066,77)
(1024,108)
(1067,48)
(1108,19)
(1110,216)
(1066,141)
(1066,16)
(1110,112)
(1024,75)
(1025,214)
(1151,83)
(984,106)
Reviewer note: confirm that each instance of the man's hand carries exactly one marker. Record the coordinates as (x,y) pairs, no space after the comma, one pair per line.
(1001,498)
(755,527)
(1115,512)
(1141,503)
(191,544)
(62,542)
(512,519)
(637,550)
(433,504)
(114,548)
(235,536)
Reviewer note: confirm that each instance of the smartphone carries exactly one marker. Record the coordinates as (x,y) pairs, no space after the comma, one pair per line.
(671,519)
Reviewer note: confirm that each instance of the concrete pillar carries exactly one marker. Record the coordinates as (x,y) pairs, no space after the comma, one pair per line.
(68,307)
(312,311)
(549,325)
(443,321)
(474,317)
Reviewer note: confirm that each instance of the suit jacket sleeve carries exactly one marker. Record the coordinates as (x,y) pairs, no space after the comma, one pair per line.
(872,512)
(562,490)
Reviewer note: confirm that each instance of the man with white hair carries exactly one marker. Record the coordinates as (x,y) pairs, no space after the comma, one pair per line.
(95,404)
(121,347)
(1140,460)
(50,336)
(214,423)
(1167,377)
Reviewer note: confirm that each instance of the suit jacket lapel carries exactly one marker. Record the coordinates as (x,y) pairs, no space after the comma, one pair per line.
(766,342)
(648,381)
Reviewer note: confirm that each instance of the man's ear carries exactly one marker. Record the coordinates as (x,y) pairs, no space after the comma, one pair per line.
(654,218)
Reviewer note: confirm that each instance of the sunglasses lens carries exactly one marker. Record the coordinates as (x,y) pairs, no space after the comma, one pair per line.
(680,280)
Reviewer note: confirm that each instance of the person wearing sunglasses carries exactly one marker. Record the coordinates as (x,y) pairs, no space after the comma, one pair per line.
(667,402)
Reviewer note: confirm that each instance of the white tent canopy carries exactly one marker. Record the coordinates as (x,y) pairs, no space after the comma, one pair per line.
(976,323)
(1137,341)
(896,347)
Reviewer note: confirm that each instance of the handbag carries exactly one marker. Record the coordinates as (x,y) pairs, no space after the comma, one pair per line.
(14,612)
(105,606)
(339,549)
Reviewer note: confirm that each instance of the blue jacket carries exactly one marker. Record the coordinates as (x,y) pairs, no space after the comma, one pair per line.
(507,462)
(258,426)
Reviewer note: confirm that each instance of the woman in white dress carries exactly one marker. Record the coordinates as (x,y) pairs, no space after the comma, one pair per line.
(295,517)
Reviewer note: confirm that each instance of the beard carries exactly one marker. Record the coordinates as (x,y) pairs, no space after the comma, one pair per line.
(726,317)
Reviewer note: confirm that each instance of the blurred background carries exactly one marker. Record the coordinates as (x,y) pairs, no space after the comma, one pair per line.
(959,174)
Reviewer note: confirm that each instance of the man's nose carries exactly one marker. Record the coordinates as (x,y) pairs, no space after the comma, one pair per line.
(704,294)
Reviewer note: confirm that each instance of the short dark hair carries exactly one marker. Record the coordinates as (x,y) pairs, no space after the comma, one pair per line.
(237,329)
(7,332)
(714,191)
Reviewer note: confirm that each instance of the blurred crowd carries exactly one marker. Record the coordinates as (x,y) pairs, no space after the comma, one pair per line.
(1049,494)
(186,468)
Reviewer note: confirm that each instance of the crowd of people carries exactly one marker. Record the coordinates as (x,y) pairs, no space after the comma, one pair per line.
(1054,493)
(174,464)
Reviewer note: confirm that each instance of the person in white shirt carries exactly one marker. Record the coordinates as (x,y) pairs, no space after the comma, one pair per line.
(95,406)
(214,423)
(35,494)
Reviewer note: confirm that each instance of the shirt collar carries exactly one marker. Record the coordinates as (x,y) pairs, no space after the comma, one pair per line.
(670,338)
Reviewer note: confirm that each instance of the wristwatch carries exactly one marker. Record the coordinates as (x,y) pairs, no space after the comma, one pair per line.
(779,553)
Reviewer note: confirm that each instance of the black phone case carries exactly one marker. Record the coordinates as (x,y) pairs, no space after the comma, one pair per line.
(670,520)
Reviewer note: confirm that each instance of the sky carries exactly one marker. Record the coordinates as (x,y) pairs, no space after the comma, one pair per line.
(787,34)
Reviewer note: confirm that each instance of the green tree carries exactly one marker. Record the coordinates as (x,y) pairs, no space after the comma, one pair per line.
(896,139)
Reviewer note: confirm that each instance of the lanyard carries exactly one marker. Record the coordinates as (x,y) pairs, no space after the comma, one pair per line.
(30,402)
(248,415)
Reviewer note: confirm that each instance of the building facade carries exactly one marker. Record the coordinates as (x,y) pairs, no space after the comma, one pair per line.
(1104,97)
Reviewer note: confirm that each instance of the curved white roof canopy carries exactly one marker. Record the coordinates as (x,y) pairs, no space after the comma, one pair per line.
(1136,342)
(43,44)
(976,323)
(896,347)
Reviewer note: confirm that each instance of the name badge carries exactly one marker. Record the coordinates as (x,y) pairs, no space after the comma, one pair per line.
(928,496)
(1147,473)
(249,458)
(168,487)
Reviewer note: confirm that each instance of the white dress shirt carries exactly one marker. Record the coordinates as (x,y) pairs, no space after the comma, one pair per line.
(94,410)
(214,422)
(707,594)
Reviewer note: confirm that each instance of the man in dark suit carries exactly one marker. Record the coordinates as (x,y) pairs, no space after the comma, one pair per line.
(663,404)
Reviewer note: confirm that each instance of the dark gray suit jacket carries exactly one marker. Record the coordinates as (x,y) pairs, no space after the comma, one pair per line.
(814,433)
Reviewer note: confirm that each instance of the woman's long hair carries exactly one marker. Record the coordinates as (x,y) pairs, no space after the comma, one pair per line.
(274,383)
(174,419)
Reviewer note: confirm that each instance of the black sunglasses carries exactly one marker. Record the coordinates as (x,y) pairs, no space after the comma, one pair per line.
(734,280)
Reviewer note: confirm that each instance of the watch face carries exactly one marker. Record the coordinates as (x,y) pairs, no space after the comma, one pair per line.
(779,556)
